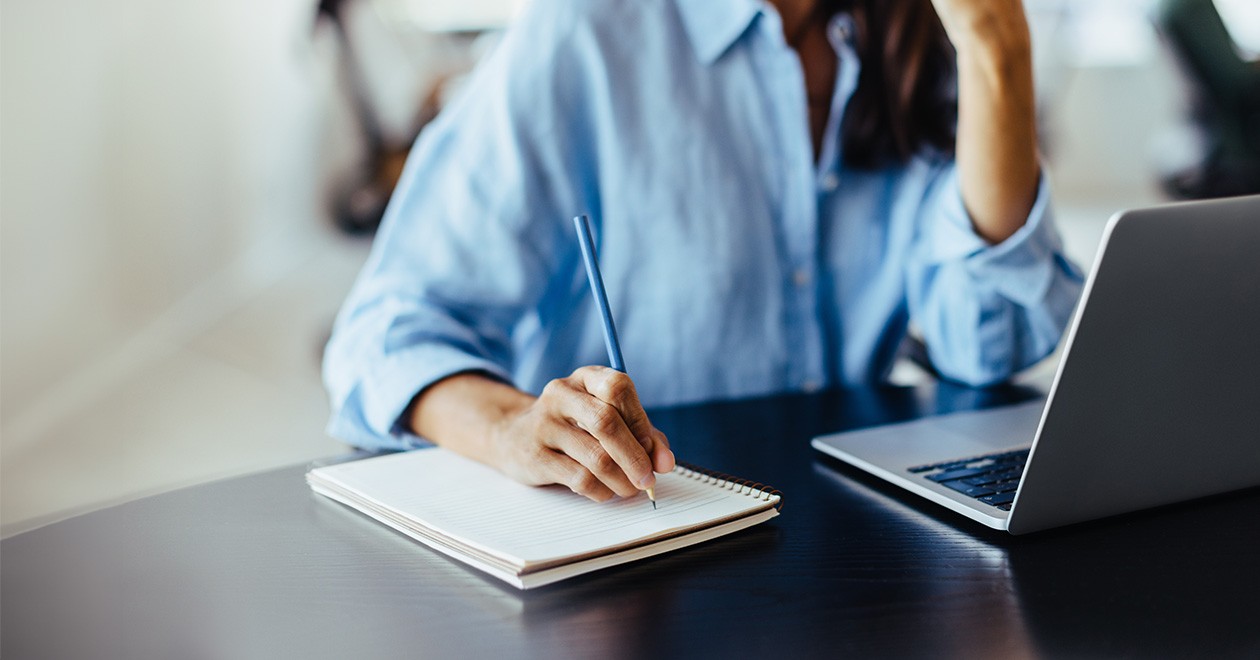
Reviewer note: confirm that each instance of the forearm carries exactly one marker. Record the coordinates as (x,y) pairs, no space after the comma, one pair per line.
(464,413)
(997,135)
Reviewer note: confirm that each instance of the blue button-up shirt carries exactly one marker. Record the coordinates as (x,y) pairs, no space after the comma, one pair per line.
(736,263)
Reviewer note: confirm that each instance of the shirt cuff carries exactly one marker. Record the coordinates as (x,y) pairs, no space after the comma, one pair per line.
(1020,268)
(388,390)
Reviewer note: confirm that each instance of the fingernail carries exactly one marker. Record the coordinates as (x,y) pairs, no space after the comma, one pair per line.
(647,482)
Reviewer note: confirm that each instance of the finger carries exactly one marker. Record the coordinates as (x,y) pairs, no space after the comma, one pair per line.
(602,422)
(562,469)
(662,456)
(588,452)
(605,424)
(616,388)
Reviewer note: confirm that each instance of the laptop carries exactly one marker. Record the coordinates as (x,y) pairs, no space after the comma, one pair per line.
(1156,399)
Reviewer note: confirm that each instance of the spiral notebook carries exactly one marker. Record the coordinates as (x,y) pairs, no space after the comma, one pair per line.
(529,536)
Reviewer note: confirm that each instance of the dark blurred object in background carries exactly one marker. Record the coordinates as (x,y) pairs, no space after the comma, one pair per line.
(360,204)
(1226,102)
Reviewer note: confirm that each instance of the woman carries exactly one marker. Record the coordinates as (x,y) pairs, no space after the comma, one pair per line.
(776,193)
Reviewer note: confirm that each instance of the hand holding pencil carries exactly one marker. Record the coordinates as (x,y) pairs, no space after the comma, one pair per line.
(587,431)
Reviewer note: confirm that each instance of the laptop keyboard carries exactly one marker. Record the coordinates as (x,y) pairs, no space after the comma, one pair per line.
(992,478)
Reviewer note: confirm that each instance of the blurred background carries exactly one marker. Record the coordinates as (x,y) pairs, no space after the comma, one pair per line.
(187,191)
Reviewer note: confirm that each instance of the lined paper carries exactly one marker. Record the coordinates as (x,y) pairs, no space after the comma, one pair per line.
(460,498)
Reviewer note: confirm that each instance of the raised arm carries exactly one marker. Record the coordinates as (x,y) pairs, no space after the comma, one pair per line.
(997,138)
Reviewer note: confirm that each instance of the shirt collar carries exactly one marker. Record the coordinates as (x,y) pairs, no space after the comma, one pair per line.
(714,26)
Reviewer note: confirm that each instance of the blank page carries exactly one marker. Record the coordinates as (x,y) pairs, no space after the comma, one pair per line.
(460,498)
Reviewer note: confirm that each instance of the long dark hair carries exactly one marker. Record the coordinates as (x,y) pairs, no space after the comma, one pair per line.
(906,98)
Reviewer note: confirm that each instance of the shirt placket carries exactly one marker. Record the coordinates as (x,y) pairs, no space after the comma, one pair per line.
(798,221)
(827,176)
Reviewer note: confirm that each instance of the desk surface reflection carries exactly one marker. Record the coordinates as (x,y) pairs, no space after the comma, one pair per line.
(259,567)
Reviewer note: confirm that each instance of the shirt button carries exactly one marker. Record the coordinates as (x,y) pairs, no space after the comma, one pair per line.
(810,386)
(839,31)
(801,277)
(830,182)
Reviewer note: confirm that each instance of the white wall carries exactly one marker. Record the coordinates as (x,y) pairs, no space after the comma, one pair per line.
(1108,95)
(143,145)
(169,265)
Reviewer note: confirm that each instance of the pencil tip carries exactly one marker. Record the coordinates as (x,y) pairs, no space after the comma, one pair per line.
(653,505)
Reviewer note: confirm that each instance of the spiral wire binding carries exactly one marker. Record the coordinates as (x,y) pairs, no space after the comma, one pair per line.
(731,482)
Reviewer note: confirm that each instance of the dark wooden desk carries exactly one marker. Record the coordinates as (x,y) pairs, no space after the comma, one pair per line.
(259,567)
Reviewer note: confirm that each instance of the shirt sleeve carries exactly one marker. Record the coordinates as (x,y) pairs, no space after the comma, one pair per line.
(988,311)
(467,246)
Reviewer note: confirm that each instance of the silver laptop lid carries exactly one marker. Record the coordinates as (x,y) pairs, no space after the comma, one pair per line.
(1157,399)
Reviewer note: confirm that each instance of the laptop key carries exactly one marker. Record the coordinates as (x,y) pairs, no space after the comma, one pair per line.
(967,489)
(950,475)
(1009,486)
(998,498)
(988,460)
(989,476)
(1009,474)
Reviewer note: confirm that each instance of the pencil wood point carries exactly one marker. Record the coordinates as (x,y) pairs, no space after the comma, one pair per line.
(652,496)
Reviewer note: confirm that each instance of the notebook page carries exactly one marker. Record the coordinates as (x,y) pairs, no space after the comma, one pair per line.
(472,502)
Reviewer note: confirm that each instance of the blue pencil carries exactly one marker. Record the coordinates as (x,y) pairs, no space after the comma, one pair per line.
(587,241)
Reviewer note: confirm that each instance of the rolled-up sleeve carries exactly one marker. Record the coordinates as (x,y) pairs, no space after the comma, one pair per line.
(988,311)
(421,310)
